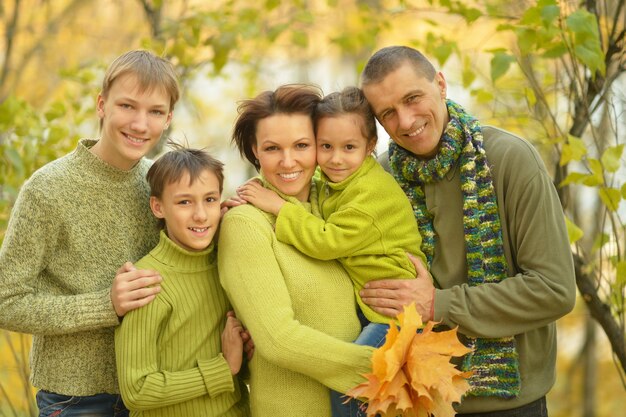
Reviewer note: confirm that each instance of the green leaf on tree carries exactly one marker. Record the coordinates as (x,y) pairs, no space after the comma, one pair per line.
(573,150)
(610,197)
(611,158)
(574,232)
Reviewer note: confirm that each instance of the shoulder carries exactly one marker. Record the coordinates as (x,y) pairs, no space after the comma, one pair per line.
(505,147)
(375,182)
(247,214)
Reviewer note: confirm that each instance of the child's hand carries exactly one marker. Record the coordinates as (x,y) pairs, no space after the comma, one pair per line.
(230,203)
(133,288)
(232,342)
(267,200)
(248,344)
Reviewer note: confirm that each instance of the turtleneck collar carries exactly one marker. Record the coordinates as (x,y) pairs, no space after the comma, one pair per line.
(310,206)
(173,256)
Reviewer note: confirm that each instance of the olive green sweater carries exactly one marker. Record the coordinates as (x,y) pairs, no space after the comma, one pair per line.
(169,352)
(300,311)
(367,224)
(540,288)
(75,222)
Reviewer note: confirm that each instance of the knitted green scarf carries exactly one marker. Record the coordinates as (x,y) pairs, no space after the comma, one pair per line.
(494,361)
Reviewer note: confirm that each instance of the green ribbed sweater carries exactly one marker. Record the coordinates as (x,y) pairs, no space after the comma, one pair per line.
(367,224)
(169,352)
(301,314)
(75,222)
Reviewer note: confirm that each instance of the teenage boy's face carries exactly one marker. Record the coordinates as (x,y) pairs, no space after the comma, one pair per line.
(341,146)
(191,211)
(132,121)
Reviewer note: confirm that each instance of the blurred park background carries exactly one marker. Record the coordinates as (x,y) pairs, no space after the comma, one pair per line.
(552,72)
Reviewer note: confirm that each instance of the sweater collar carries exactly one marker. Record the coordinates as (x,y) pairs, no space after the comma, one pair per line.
(94,166)
(311,206)
(170,254)
(365,167)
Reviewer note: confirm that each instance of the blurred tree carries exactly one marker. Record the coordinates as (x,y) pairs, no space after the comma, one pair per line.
(553,75)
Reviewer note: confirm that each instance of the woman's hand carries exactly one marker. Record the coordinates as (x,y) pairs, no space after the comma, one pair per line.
(389,296)
(254,193)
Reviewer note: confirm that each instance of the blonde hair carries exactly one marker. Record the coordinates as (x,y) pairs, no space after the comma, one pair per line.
(151,71)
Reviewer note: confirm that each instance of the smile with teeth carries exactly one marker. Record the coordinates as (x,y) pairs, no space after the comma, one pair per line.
(134,139)
(199,229)
(290,175)
(417,131)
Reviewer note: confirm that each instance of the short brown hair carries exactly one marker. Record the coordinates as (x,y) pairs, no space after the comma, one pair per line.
(172,165)
(151,71)
(350,100)
(387,60)
(286,99)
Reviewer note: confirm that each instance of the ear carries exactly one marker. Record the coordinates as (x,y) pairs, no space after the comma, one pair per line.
(371,145)
(168,120)
(100,106)
(441,84)
(157,207)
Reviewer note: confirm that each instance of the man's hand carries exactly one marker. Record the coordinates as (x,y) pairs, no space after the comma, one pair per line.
(389,296)
(133,288)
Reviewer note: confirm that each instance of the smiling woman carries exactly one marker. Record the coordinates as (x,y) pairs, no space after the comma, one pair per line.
(300,311)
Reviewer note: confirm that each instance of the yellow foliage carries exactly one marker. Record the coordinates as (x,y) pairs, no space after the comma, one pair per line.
(412,374)
(16,393)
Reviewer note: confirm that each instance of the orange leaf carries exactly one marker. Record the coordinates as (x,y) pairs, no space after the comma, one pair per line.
(412,374)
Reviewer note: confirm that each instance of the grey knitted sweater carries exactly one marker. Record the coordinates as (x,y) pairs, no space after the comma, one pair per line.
(75,222)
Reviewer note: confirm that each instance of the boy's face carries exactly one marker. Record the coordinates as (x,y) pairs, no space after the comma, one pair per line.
(341,146)
(191,211)
(132,121)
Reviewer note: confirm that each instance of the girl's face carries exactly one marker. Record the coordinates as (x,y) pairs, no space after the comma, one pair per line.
(341,146)
(285,148)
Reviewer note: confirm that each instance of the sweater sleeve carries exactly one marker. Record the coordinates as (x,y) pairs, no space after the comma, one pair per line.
(341,235)
(30,241)
(543,290)
(253,280)
(142,384)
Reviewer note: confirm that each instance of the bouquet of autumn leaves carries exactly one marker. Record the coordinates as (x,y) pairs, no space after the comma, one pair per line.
(411,373)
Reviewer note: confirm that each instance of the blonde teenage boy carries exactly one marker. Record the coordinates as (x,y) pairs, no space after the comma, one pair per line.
(65,275)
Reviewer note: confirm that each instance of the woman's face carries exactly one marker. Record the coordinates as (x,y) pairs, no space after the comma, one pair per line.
(285,148)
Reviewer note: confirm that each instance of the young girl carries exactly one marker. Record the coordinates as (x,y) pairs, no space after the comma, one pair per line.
(367,222)
(171,359)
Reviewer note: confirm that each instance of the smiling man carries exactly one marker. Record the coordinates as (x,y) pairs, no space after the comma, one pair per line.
(493,232)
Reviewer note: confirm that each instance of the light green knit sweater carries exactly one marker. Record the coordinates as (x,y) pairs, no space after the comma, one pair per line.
(301,314)
(367,224)
(75,222)
(169,358)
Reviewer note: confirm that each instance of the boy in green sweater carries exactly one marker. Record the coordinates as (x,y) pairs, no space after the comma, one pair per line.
(367,221)
(180,354)
(65,275)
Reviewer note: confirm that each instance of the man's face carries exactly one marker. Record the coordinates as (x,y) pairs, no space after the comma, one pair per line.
(411,108)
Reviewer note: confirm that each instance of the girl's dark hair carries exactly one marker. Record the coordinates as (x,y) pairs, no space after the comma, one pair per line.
(286,99)
(350,100)
(172,165)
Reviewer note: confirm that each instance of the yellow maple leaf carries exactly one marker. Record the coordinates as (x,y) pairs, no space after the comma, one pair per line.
(412,374)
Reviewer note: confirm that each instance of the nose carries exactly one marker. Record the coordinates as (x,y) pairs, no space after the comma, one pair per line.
(288,159)
(139,122)
(200,213)
(335,157)
(405,118)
